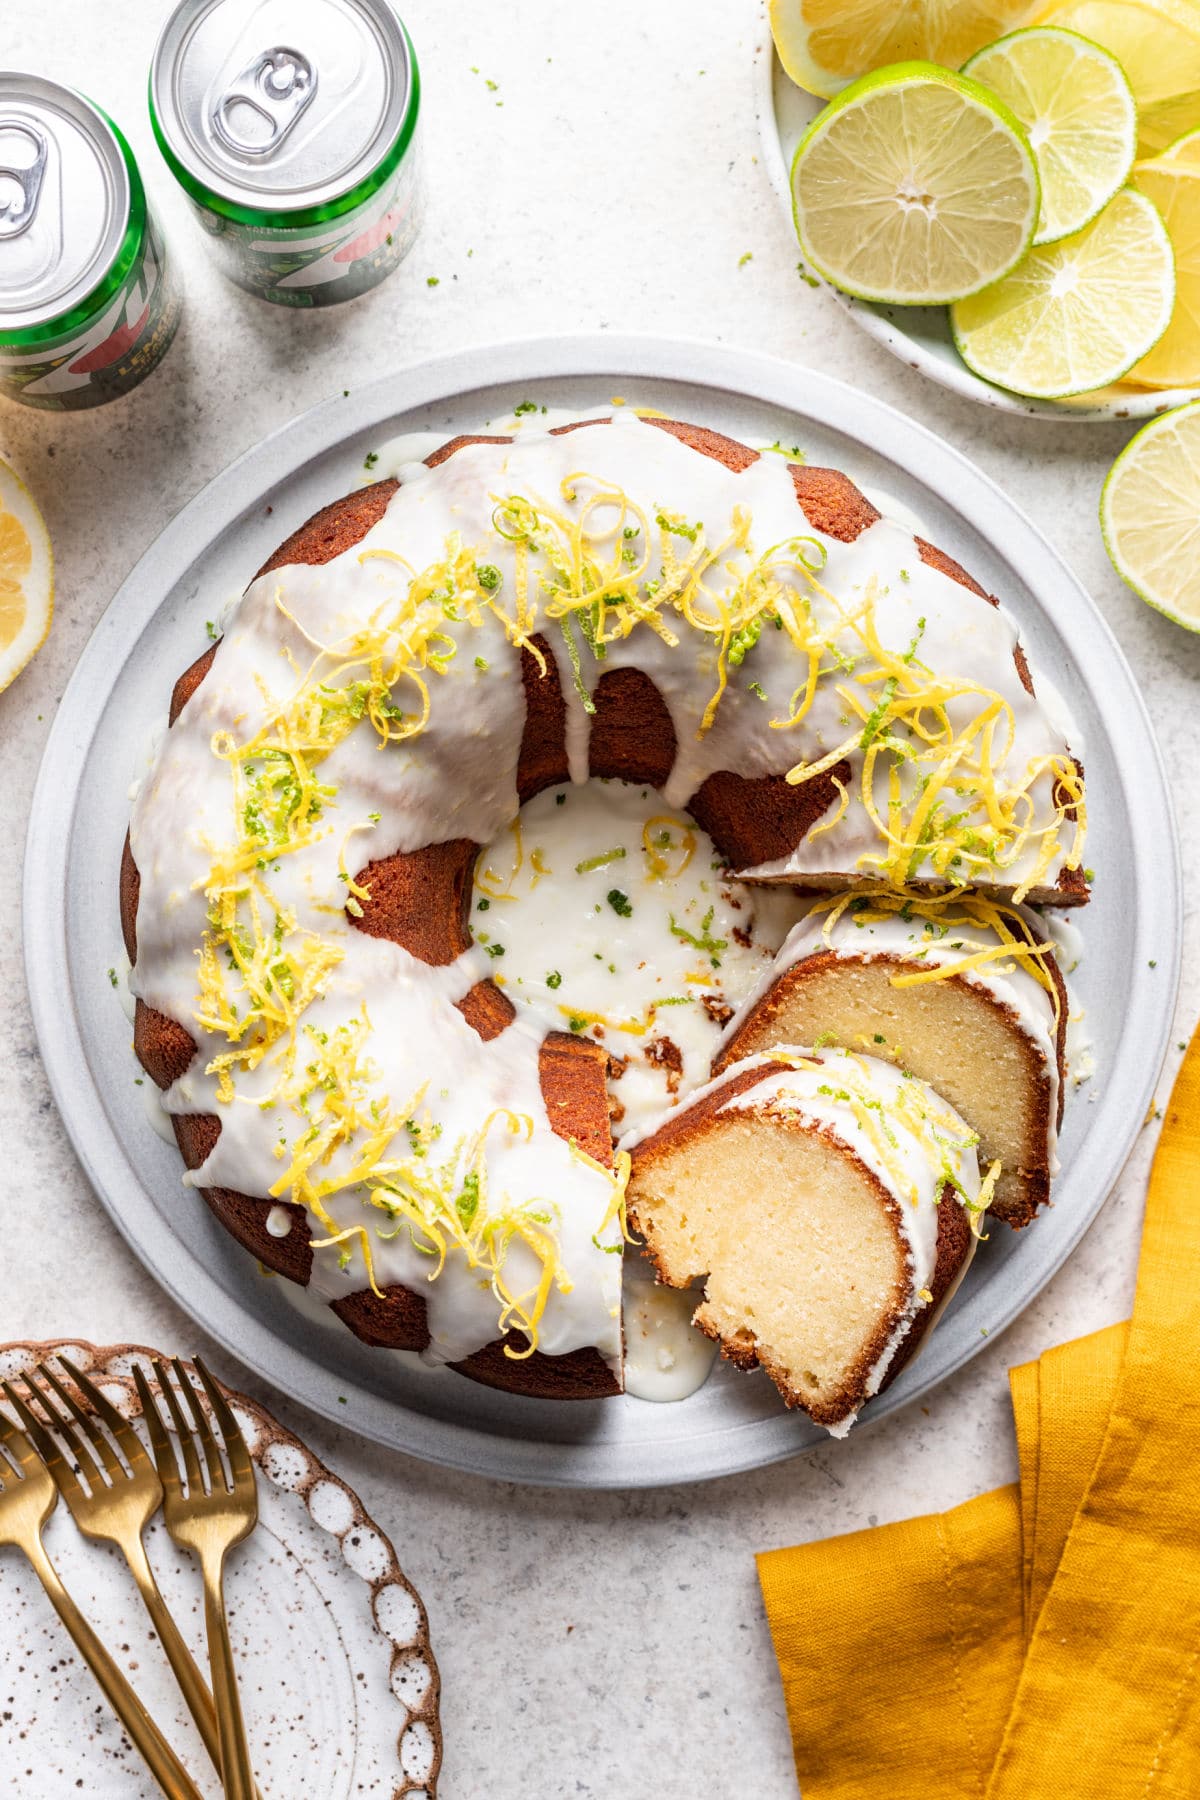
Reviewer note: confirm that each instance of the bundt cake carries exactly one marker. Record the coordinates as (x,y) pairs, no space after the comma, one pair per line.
(825,1201)
(963,993)
(363,1097)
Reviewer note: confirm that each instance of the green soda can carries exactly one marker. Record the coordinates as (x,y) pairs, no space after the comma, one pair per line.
(88,305)
(291,126)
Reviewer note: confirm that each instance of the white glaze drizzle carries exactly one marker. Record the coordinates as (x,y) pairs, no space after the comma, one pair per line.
(458,779)
(564,951)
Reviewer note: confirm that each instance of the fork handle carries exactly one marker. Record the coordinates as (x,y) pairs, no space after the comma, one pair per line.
(192,1684)
(236,1772)
(152,1746)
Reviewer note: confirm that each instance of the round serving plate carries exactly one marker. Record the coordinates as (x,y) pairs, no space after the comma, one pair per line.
(920,335)
(117,699)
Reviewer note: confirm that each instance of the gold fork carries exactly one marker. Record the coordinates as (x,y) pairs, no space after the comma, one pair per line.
(207,1519)
(27,1498)
(115,1506)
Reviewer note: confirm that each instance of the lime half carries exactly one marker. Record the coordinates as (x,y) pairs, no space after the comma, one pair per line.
(914,186)
(1076,314)
(1150,514)
(1078,108)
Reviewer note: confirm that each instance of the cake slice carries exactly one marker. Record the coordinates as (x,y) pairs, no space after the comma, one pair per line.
(825,1200)
(904,980)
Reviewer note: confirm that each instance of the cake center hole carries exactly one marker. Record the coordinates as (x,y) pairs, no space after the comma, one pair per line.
(604,912)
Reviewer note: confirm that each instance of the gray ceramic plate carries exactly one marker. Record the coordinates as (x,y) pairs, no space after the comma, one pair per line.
(154,628)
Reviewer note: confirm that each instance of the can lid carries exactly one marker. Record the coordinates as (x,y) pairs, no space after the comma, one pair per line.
(280,106)
(64,199)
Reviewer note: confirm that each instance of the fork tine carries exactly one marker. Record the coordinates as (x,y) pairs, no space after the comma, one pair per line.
(165,1460)
(88,1431)
(46,1445)
(58,1421)
(132,1447)
(21,1453)
(217,1478)
(183,1431)
(235,1444)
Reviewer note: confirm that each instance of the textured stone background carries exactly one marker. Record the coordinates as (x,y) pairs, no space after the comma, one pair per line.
(591,1644)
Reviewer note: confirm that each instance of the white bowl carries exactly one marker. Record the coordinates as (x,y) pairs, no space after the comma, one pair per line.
(920,335)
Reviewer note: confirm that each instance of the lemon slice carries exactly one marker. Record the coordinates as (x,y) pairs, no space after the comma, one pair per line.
(1183,152)
(1078,108)
(1162,124)
(1150,514)
(914,186)
(1076,314)
(1172,182)
(824,44)
(26,577)
(1156,42)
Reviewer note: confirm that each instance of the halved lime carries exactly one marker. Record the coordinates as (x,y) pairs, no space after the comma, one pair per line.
(1150,514)
(1073,99)
(824,44)
(915,186)
(1076,314)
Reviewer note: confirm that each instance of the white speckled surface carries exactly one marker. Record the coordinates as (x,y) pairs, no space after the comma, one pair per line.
(615,187)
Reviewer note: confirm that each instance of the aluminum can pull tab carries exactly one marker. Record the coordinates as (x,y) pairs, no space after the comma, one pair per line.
(20,182)
(262,104)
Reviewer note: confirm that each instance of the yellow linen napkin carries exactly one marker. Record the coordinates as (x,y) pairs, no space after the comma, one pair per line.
(1041,1642)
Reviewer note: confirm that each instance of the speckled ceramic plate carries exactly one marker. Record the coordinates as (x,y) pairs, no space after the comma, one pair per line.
(918,335)
(155,627)
(331,1642)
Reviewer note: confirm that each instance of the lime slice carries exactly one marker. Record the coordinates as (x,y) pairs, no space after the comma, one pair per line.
(1172,182)
(26,576)
(1076,314)
(1156,42)
(1150,514)
(914,186)
(824,44)
(1075,103)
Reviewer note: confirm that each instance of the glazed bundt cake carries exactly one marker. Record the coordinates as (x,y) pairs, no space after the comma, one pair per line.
(826,1204)
(362,1096)
(964,994)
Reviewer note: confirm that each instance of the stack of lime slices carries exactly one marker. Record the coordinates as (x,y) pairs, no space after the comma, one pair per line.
(1034,184)
(1036,170)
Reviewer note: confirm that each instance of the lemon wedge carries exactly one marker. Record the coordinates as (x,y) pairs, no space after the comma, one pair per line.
(26,577)
(1172,182)
(824,44)
(1078,108)
(1077,314)
(915,186)
(1150,514)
